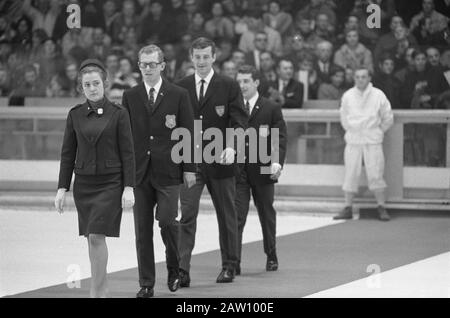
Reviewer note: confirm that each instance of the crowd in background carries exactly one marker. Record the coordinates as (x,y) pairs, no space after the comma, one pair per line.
(312,46)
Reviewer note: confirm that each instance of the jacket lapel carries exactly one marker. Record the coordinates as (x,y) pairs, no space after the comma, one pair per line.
(160,96)
(100,122)
(256,109)
(192,91)
(211,89)
(144,97)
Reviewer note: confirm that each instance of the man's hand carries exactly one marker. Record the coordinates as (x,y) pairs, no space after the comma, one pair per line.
(60,200)
(190,178)
(275,170)
(127,198)
(227,156)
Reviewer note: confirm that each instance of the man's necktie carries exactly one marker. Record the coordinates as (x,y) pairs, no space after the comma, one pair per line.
(202,93)
(247,108)
(151,99)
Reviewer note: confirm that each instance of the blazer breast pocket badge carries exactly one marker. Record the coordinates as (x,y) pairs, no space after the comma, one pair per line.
(171,121)
(220,110)
(289,95)
(264,131)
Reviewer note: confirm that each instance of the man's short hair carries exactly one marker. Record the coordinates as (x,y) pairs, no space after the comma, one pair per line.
(363,68)
(202,43)
(150,49)
(386,56)
(249,69)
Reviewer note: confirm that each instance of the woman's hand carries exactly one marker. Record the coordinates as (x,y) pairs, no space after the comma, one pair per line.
(60,200)
(127,198)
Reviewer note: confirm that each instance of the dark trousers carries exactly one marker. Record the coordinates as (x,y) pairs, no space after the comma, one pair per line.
(223,193)
(148,194)
(263,196)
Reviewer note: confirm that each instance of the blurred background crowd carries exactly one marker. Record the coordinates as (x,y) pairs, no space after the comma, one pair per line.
(317,43)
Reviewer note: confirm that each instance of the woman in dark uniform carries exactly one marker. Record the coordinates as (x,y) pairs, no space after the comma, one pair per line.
(98,147)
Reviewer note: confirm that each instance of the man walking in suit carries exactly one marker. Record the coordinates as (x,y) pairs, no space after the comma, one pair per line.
(265,117)
(217,103)
(156,108)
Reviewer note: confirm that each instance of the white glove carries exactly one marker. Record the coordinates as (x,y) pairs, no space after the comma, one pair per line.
(275,170)
(127,198)
(227,156)
(60,200)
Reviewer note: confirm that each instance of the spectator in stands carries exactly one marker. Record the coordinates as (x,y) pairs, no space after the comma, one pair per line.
(31,87)
(173,65)
(229,69)
(403,43)
(286,90)
(238,57)
(179,17)
(197,27)
(268,73)
(70,79)
(320,6)
(353,54)
(403,73)
(38,38)
(73,40)
(101,45)
(219,26)
(5,50)
(44,16)
(92,13)
(253,58)
(367,35)
(125,78)
(130,46)
(254,25)
(434,59)
(6,32)
(296,49)
(23,34)
(303,27)
(423,85)
(307,75)
(365,115)
(323,63)
(109,14)
(385,80)
(55,87)
(323,30)
(429,26)
(335,88)
(125,20)
(51,62)
(157,26)
(112,66)
(15,65)
(389,41)
(5,82)
(224,50)
(277,19)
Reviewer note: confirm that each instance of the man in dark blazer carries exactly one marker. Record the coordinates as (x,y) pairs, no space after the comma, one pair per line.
(258,174)
(156,108)
(286,91)
(217,103)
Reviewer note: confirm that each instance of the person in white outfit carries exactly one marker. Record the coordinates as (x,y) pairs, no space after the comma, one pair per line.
(366,115)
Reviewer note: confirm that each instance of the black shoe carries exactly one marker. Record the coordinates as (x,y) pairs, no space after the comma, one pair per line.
(345,214)
(271,264)
(382,213)
(237,271)
(225,276)
(145,292)
(185,280)
(173,280)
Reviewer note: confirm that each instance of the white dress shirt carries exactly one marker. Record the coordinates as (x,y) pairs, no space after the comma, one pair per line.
(198,83)
(252,101)
(157,87)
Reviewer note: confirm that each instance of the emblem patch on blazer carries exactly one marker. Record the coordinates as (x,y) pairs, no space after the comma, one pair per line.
(220,110)
(289,95)
(171,121)
(264,131)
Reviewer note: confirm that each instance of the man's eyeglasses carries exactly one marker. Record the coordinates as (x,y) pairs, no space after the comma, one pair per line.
(152,65)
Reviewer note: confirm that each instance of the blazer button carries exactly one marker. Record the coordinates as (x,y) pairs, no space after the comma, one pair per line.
(148,152)
(201,117)
(151,138)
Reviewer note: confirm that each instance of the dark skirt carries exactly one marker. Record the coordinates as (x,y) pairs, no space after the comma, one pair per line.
(98,200)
